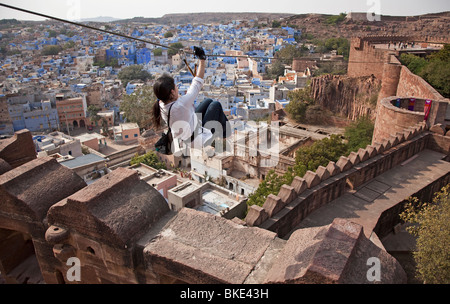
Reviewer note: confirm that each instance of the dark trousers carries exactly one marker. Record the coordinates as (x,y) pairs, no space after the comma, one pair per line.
(212,111)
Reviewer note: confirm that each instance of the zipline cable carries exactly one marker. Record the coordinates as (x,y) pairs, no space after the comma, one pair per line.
(86,26)
(121,35)
(143,40)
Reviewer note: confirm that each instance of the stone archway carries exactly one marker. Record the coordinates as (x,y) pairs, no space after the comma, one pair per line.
(75,124)
(19,264)
(82,124)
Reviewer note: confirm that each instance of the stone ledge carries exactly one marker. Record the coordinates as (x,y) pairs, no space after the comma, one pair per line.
(335,253)
(198,247)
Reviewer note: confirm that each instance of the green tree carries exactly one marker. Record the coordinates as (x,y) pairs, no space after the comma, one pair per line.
(138,106)
(289,52)
(359,133)
(270,185)
(150,159)
(51,50)
(430,223)
(276,24)
(52,34)
(92,112)
(299,100)
(157,52)
(69,44)
(414,63)
(437,72)
(133,72)
(341,45)
(168,35)
(275,70)
(335,19)
(307,158)
(435,69)
(177,46)
(319,154)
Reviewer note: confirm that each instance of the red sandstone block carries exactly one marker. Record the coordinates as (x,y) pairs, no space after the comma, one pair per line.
(311,178)
(363,154)
(256,215)
(400,137)
(4,166)
(299,185)
(371,150)
(331,254)
(333,168)
(323,173)
(387,144)
(437,128)
(393,140)
(272,205)
(354,158)
(344,163)
(287,194)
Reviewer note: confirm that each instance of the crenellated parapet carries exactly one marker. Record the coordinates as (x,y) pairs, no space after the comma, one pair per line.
(293,203)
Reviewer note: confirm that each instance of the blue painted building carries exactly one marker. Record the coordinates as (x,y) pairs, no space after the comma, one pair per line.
(33,116)
(143,56)
(41,117)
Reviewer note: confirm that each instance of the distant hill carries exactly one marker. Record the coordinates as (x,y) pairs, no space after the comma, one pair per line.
(357,25)
(99,19)
(207,18)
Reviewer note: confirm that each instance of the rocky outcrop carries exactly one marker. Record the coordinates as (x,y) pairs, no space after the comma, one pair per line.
(351,97)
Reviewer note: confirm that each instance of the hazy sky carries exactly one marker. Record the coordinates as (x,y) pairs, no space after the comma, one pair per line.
(77,9)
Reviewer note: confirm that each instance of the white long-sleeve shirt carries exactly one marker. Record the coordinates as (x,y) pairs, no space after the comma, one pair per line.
(182,114)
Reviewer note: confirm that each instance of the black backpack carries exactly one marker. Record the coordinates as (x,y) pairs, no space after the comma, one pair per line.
(164,144)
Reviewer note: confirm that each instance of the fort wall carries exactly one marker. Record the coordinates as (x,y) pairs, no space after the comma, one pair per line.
(392,118)
(281,213)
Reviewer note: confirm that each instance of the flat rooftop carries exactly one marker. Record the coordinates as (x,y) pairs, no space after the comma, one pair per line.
(83,161)
(129,126)
(242,176)
(185,189)
(157,177)
(151,175)
(214,202)
(88,136)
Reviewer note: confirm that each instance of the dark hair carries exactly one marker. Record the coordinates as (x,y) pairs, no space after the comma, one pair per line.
(162,88)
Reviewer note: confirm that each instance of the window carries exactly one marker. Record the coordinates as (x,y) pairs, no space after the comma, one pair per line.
(126,136)
(135,135)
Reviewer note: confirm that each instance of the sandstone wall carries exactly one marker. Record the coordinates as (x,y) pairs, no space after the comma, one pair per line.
(391,119)
(410,84)
(365,59)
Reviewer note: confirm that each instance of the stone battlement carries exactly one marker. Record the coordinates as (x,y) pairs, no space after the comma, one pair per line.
(281,213)
(397,38)
(122,231)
